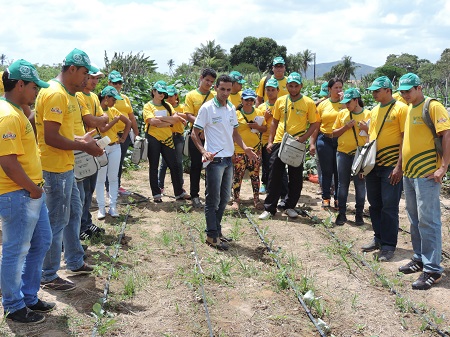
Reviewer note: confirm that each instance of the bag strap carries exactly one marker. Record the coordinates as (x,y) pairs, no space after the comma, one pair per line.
(384,119)
(353,128)
(426,116)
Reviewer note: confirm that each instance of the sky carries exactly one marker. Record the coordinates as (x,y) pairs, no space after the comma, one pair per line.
(45,31)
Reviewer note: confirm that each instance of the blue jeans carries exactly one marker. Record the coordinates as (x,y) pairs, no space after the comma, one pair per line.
(26,238)
(89,188)
(383,199)
(327,149)
(219,177)
(424,213)
(344,166)
(64,210)
(178,141)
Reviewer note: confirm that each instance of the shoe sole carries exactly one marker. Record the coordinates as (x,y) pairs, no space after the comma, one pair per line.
(28,323)
(101,217)
(43,311)
(46,287)
(217,247)
(81,272)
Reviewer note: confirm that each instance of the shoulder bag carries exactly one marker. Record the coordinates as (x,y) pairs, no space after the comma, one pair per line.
(427,120)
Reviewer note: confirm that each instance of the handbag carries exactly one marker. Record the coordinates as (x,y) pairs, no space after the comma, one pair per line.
(85,165)
(291,151)
(366,155)
(140,149)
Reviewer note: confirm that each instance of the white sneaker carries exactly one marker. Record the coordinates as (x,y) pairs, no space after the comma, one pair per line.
(291,213)
(113,212)
(265,215)
(101,214)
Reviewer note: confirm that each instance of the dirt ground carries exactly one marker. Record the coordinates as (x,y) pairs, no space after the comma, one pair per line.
(165,277)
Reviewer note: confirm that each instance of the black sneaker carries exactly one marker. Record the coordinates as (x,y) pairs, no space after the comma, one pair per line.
(83,270)
(359,220)
(96,230)
(426,280)
(216,243)
(59,284)
(85,235)
(225,238)
(25,315)
(384,255)
(413,266)
(341,219)
(42,306)
(371,246)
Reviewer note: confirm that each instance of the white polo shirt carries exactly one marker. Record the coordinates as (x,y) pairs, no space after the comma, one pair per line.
(217,122)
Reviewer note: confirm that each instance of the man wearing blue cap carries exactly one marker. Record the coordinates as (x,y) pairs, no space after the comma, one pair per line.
(26,232)
(384,182)
(423,169)
(56,107)
(278,69)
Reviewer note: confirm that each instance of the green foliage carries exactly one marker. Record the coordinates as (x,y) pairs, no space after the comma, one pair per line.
(409,63)
(344,70)
(300,62)
(210,55)
(47,72)
(257,51)
(391,71)
(246,68)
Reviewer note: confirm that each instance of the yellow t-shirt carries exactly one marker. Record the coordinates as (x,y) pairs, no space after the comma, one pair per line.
(194,100)
(75,105)
(2,88)
(112,133)
(17,137)
(235,98)
(398,97)
(281,85)
(419,154)
(300,114)
(263,107)
(390,137)
(52,104)
(178,127)
(125,108)
(250,139)
(89,103)
(327,112)
(346,141)
(164,135)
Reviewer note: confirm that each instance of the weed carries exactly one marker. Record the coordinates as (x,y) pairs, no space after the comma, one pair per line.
(403,304)
(281,279)
(354,301)
(236,230)
(104,321)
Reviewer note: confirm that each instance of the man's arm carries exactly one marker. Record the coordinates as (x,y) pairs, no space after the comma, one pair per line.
(397,174)
(442,170)
(15,172)
(248,150)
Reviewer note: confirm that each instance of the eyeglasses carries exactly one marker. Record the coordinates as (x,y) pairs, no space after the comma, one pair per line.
(118,83)
(249,99)
(279,65)
(161,93)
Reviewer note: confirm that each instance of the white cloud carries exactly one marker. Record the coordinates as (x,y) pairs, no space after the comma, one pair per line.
(45,31)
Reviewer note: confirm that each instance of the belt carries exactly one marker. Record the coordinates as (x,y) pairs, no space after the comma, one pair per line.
(219,159)
(328,135)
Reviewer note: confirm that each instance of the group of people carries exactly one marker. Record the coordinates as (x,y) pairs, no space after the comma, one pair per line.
(45,210)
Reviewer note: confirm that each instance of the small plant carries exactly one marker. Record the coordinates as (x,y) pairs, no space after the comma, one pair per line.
(105,321)
(236,230)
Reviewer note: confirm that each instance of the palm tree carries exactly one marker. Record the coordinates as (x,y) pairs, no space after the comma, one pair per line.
(171,64)
(347,68)
(3,58)
(209,53)
(306,57)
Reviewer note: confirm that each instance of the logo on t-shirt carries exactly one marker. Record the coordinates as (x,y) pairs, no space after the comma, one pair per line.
(56,110)
(442,120)
(9,136)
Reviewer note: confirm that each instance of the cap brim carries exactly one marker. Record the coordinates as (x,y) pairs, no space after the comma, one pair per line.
(345,100)
(298,82)
(242,81)
(118,97)
(116,80)
(404,87)
(92,69)
(42,84)
(323,93)
(247,97)
(373,87)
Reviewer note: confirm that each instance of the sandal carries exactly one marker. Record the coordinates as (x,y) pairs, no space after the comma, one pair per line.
(235,206)
(259,205)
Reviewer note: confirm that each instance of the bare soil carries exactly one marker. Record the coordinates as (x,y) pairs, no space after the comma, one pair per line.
(156,283)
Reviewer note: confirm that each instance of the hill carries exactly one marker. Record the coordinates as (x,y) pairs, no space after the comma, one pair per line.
(322,68)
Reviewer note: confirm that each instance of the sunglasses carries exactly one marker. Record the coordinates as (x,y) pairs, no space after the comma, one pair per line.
(161,93)
(249,99)
(118,83)
(279,65)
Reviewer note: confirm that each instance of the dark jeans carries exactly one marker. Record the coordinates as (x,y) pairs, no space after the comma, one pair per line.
(89,188)
(196,168)
(383,199)
(178,140)
(155,149)
(266,170)
(219,177)
(327,149)
(295,184)
(344,165)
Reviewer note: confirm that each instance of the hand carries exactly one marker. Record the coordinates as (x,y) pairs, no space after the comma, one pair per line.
(207,156)
(312,149)
(252,125)
(104,120)
(351,124)
(269,147)
(363,126)
(396,175)
(251,154)
(36,193)
(438,175)
(90,144)
(267,114)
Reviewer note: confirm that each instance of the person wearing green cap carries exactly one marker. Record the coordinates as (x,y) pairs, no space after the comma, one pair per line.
(295,114)
(323,142)
(346,130)
(236,89)
(116,80)
(26,232)
(277,73)
(108,97)
(178,140)
(193,102)
(423,171)
(159,117)
(56,107)
(384,183)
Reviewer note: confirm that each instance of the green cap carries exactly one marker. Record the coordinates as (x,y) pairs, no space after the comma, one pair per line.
(159,86)
(349,94)
(323,89)
(79,58)
(25,71)
(272,82)
(381,82)
(111,91)
(236,76)
(408,81)
(278,60)
(114,76)
(294,77)
(171,90)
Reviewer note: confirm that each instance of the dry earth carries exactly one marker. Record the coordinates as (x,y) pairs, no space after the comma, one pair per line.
(155,288)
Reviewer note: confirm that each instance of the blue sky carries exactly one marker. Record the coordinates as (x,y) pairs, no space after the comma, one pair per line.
(45,31)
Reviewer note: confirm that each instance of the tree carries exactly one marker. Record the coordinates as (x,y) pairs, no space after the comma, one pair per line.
(171,64)
(409,63)
(210,55)
(391,71)
(3,58)
(257,51)
(344,70)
